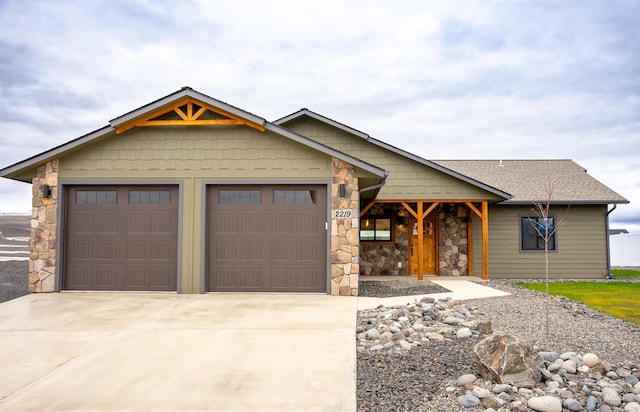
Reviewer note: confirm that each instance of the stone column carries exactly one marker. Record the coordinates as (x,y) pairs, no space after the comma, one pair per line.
(345,232)
(42,263)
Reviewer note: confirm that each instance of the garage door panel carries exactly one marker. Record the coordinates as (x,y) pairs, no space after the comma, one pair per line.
(112,243)
(105,277)
(259,247)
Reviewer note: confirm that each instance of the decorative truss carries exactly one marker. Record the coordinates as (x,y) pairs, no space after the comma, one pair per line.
(189,112)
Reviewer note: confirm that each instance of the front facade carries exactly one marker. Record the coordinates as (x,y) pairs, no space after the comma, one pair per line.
(192,195)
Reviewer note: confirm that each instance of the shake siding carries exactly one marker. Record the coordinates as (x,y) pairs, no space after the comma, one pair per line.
(172,152)
(581,244)
(408,179)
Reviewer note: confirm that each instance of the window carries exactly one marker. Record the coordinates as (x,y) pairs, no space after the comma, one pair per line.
(149,197)
(532,239)
(374,229)
(96,197)
(294,197)
(239,197)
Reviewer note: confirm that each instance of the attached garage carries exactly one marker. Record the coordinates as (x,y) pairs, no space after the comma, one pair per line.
(193,195)
(122,238)
(266,238)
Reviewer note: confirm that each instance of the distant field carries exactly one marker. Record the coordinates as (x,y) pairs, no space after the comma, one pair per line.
(618,299)
(15,226)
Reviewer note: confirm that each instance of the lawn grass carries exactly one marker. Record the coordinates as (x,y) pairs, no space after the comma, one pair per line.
(618,299)
(626,273)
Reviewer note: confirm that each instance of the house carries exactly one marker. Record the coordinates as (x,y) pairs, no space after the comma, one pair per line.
(191,194)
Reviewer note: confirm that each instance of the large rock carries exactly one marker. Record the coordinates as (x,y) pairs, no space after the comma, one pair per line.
(504,358)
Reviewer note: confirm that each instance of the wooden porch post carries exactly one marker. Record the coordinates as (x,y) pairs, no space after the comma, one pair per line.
(470,243)
(485,240)
(420,241)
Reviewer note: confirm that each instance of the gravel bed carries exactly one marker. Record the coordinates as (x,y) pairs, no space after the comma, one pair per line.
(415,380)
(408,287)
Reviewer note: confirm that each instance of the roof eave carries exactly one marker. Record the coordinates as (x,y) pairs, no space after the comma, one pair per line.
(54,152)
(306,112)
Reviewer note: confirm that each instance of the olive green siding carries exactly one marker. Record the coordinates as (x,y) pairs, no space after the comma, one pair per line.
(581,244)
(408,179)
(193,155)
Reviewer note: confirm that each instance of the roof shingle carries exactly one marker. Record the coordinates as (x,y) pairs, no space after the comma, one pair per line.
(527,180)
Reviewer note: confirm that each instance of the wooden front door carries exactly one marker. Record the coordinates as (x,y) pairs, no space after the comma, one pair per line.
(429,243)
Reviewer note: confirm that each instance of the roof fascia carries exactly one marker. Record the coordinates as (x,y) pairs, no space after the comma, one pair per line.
(179,95)
(343,127)
(326,149)
(314,115)
(52,153)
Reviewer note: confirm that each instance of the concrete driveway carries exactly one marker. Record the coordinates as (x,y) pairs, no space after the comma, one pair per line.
(156,351)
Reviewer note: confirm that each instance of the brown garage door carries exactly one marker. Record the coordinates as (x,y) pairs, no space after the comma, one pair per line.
(121,238)
(267,238)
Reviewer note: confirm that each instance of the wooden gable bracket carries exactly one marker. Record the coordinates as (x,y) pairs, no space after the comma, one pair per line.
(190,112)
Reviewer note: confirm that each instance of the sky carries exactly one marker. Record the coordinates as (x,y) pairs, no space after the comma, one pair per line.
(441,79)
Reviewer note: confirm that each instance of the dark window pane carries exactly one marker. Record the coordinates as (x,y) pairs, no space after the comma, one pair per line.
(278,197)
(223,197)
(383,229)
(165,197)
(134,197)
(290,197)
(91,197)
(154,197)
(239,197)
(245,197)
(375,229)
(533,232)
(96,197)
(144,197)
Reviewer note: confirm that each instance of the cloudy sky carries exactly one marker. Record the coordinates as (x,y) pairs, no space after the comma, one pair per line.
(442,79)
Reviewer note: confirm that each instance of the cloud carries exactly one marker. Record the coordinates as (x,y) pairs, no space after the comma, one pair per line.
(442,79)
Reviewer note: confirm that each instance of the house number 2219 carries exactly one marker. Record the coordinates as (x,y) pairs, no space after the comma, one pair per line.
(343,213)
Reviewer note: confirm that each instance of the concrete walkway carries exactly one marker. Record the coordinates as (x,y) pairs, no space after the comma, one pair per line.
(156,351)
(460,290)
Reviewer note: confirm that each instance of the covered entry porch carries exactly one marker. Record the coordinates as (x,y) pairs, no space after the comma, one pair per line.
(423,237)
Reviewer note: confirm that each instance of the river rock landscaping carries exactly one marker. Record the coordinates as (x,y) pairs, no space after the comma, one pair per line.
(420,356)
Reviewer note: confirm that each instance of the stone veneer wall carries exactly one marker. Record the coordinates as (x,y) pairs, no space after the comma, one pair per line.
(382,258)
(345,233)
(42,263)
(453,241)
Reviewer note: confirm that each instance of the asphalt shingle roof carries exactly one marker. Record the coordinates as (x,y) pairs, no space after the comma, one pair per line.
(527,180)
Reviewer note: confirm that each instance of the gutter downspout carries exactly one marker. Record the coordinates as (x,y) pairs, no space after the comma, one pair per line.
(609,275)
(374,187)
